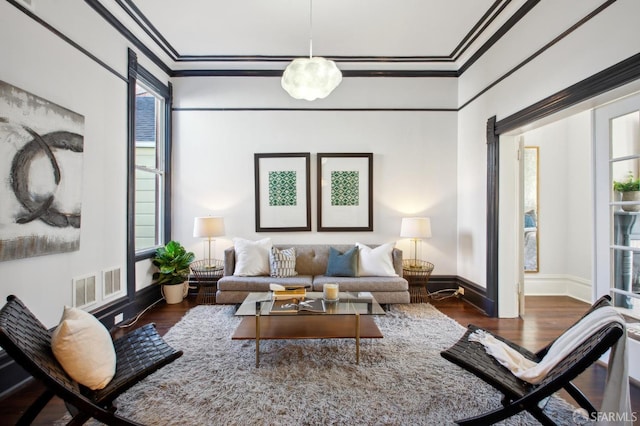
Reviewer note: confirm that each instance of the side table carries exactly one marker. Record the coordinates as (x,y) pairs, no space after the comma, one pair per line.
(207,274)
(417,273)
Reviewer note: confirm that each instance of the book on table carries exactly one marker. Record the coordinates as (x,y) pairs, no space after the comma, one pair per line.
(288,292)
(298,305)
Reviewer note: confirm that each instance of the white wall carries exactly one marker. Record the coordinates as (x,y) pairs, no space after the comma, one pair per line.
(610,37)
(414,157)
(565,207)
(36,60)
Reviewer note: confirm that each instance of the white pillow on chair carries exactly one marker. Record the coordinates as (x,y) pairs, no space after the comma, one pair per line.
(252,257)
(376,262)
(84,348)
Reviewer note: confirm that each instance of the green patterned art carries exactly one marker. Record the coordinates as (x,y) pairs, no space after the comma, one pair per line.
(345,188)
(282,188)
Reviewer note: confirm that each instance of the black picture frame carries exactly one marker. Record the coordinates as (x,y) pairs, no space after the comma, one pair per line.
(282,198)
(345,192)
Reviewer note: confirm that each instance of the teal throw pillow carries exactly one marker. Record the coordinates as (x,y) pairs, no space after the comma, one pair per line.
(342,264)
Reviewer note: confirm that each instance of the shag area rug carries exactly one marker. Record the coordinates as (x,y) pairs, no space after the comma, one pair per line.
(401,379)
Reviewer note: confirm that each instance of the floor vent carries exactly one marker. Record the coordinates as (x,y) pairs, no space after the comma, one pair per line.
(112,282)
(84,291)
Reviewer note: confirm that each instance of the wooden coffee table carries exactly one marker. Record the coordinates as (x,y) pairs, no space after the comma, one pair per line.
(351,317)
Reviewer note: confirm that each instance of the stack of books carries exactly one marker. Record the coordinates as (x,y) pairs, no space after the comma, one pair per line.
(288,292)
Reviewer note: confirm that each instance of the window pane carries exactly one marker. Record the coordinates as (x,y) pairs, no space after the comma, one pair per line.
(625,138)
(146,209)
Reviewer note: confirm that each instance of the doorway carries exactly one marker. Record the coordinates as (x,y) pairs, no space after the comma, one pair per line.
(612,83)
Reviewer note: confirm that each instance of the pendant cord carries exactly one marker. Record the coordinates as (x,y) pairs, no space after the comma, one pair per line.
(310,29)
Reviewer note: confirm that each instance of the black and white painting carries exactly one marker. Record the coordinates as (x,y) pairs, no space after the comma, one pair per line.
(41,148)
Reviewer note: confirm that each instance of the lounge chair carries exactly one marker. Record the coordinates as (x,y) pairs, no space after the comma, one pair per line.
(138,354)
(519,395)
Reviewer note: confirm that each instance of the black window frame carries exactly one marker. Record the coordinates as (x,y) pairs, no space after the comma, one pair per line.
(137,72)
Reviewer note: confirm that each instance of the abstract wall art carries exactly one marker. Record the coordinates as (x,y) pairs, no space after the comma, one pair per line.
(41,153)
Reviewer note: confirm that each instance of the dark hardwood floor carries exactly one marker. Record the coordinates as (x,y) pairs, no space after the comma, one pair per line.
(545,319)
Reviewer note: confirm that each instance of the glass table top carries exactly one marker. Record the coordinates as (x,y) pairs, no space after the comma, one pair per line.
(348,303)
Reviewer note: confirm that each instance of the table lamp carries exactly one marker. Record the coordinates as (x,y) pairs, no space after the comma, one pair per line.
(415,228)
(208,227)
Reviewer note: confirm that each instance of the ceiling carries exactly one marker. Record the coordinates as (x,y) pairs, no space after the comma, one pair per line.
(402,34)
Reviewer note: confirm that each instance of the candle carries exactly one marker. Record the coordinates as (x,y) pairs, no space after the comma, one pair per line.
(330,291)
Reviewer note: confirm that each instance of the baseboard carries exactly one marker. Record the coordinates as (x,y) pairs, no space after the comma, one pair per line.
(12,376)
(473,293)
(558,285)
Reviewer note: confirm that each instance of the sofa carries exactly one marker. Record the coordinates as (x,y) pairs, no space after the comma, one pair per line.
(311,266)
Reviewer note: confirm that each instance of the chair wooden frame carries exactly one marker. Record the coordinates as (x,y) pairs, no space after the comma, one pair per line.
(138,354)
(522,396)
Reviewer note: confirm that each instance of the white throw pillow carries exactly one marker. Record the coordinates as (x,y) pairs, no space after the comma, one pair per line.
(376,262)
(252,257)
(83,346)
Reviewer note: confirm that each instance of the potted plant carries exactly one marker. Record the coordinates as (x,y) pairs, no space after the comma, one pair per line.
(630,190)
(172,262)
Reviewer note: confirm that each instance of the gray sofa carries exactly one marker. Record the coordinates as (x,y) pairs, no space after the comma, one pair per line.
(311,265)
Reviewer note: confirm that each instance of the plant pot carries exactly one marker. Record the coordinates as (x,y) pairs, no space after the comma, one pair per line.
(631,196)
(174,293)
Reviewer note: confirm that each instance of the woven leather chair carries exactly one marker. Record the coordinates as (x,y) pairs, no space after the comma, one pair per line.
(28,342)
(519,395)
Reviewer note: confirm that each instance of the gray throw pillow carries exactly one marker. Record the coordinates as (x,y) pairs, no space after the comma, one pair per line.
(342,264)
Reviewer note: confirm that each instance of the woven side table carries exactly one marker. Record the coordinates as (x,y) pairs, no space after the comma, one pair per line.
(417,272)
(207,274)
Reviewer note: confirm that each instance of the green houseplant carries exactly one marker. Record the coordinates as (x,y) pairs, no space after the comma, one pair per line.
(630,190)
(173,262)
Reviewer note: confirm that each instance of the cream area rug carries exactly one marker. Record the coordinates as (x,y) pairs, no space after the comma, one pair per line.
(401,379)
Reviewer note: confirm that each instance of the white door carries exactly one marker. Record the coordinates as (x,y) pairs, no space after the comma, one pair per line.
(617,230)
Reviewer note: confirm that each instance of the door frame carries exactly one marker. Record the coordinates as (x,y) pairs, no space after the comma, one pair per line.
(602,83)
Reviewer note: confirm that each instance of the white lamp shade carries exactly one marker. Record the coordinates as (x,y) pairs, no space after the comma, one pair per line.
(311,78)
(208,227)
(415,227)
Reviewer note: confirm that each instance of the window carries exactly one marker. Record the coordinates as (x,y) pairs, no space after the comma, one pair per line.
(149,168)
(149,178)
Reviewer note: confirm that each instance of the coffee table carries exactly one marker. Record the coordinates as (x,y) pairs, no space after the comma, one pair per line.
(351,317)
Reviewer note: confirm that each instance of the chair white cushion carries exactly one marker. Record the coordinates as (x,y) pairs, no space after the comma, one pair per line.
(252,257)
(283,262)
(376,262)
(84,348)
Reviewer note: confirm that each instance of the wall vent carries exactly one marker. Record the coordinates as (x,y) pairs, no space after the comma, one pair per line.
(112,283)
(84,291)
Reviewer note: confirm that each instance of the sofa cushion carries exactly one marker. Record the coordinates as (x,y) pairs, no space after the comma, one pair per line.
(376,262)
(252,257)
(239,283)
(282,262)
(373,284)
(342,264)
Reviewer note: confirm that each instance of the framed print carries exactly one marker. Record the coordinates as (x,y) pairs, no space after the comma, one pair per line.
(41,163)
(345,192)
(283,200)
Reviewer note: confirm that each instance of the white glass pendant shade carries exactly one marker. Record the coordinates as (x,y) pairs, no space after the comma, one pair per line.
(311,78)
